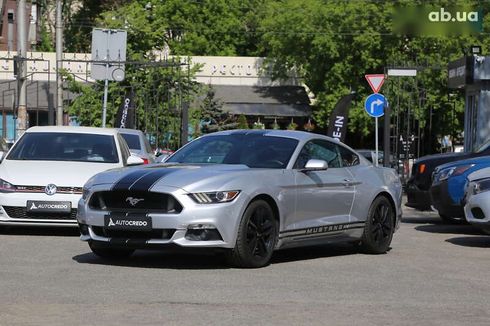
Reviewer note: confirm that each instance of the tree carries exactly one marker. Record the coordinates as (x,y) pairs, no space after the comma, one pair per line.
(333,44)
(213,117)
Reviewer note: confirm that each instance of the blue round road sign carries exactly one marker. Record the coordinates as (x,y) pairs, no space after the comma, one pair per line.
(375,105)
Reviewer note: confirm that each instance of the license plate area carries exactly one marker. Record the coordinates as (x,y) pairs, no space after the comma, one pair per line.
(128,222)
(38,206)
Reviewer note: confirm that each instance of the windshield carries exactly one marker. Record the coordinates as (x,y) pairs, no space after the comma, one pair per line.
(255,151)
(57,146)
(133,141)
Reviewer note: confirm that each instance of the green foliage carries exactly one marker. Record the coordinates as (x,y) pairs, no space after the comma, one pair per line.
(242,122)
(212,115)
(333,44)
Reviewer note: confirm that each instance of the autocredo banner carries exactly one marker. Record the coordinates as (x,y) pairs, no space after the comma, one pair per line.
(125,114)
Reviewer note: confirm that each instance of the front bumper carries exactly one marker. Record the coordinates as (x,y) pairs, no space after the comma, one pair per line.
(477,210)
(417,198)
(442,202)
(222,218)
(13,210)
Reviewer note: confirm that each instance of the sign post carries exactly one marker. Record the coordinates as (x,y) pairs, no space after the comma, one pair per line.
(374,106)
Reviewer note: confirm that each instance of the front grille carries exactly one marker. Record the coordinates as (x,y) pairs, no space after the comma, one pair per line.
(59,190)
(160,234)
(135,201)
(21,212)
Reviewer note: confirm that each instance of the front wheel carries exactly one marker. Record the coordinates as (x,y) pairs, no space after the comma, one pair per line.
(257,236)
(379,227)
(109,253)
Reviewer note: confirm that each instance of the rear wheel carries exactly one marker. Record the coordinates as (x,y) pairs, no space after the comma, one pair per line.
(257,236)
(379,227)
(109,253)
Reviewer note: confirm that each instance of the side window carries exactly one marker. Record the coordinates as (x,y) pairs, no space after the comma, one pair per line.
(319,150)
(349,158)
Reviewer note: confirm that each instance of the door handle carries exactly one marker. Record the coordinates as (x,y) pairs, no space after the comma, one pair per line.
(347,182)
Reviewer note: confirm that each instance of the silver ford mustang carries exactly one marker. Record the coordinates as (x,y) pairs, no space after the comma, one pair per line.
(247,192)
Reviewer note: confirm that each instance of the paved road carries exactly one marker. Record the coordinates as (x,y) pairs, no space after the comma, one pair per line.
(434,275)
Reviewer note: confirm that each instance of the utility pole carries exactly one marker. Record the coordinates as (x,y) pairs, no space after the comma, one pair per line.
(21,73)
(59,65)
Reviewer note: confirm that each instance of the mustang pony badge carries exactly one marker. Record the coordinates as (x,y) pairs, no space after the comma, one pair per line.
(133,201)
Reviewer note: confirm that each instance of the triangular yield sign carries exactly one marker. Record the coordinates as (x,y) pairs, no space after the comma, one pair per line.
(375,81)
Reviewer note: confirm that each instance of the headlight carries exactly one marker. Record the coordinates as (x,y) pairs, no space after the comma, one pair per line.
(7,186)
(214,197)
(454,171)
(482,185)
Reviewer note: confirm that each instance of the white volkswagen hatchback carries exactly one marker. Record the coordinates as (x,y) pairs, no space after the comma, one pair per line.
(42,176)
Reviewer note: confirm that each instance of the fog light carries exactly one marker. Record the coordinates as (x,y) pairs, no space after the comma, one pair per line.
(202,232)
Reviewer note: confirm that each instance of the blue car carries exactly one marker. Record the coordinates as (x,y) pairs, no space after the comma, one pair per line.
(448,183)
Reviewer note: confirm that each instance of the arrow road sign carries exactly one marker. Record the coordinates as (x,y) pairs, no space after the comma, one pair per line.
(374,105)
(375,81)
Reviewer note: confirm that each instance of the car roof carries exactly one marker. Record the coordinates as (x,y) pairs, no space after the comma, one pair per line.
(81,130)
(299,135)
(129,131)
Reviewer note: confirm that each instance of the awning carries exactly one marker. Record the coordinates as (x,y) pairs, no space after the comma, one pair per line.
(268,109)
(280,101)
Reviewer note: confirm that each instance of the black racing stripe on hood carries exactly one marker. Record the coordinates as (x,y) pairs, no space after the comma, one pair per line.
(148,180)
(129,179)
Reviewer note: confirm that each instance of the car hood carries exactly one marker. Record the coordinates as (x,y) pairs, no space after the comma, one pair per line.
(185,176)
(443,156)
(41,173)
(479,174)
(485,160)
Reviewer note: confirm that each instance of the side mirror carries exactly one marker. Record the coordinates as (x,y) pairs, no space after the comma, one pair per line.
(315,165)
(134,160)
(2,153)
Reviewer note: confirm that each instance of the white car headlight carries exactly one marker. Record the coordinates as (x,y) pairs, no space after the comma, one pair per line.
(7,186)
(214,197)
(481,185)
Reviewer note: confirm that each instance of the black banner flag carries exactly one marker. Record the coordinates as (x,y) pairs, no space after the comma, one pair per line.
(337,127)
(125,114)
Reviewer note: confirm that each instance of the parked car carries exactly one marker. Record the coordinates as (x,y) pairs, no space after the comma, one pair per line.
(43,174)
(477,207)
(421,178)
(138,144)
(245,192)
(162,155)
(401,167)
(448,186)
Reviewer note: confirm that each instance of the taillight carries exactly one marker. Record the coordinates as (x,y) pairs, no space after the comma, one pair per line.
(421,168)
(145,160)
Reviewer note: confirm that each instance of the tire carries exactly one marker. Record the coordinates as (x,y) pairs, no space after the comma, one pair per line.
(109,253)
(379,227)
(257,236)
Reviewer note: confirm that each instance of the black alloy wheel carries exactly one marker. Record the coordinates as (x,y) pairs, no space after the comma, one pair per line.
(379,227)
(257,236)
